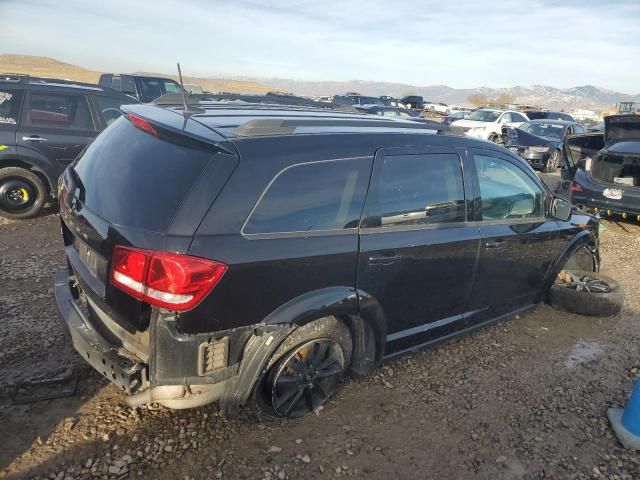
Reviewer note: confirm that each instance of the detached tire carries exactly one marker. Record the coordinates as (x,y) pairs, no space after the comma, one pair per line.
(22,193)
(598,304)
(306,369)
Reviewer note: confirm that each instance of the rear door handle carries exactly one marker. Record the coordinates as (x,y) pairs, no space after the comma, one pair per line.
(498,243)
(34,138)
(383,259)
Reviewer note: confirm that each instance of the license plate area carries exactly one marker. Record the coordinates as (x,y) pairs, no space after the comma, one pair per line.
(91,259)
(612,193)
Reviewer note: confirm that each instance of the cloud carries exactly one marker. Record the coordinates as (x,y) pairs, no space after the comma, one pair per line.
(462,43)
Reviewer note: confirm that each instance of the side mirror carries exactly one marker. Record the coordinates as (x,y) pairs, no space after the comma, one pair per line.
(561,209)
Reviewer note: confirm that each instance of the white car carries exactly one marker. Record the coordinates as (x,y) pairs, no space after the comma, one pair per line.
(436,107)
(487,124)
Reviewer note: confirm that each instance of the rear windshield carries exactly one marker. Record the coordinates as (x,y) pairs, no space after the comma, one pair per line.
(134,179)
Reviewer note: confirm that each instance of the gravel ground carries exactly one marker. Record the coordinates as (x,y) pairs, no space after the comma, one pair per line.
(525,399)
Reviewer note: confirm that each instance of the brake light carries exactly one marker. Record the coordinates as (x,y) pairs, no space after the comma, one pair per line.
(575,187)
(142,124)
(168,280)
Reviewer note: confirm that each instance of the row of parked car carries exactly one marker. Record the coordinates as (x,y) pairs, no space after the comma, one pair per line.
(45,123)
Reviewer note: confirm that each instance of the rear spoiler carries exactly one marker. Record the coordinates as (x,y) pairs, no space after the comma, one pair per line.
(621,127)
(174,122)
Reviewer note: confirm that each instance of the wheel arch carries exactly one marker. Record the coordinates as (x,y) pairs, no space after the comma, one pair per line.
(357,309)
(584,239)
(16,162)
(366,326)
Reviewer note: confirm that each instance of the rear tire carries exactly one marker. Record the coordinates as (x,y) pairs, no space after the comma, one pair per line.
(22,193)
(306,369)
(598,304)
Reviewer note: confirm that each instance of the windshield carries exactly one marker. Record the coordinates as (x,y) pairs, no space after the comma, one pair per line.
(484,116)
(549,130)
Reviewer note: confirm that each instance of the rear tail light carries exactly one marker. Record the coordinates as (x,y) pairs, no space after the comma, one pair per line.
(168,280)
(575,187)
(142,124)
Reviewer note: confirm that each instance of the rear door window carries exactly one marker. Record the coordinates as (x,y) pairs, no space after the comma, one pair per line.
(69,112)
(10,101)
(415,190)
(317,196)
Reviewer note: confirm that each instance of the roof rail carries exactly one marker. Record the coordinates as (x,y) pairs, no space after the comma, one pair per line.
(203,99)
(14,77)
(278,126)
(25,77)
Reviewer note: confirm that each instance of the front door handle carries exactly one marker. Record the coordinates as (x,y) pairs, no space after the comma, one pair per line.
(34,138)
(497,243)
(383,259)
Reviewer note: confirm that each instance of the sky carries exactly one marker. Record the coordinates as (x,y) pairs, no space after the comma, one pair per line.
(460,43)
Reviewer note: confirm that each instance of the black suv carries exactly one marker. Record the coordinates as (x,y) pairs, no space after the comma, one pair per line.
(141,87)
(256,253)
(44,124)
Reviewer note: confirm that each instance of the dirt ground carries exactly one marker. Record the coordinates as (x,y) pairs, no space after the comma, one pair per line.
(525,399)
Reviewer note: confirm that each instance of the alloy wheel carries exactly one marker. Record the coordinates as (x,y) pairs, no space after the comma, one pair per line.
(306,377)
(553,162)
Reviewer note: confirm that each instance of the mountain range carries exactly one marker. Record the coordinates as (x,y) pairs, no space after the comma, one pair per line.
(587,96)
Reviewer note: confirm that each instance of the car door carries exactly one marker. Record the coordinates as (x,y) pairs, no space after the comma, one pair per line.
(10,103)
(56,126)
(418,252)
(519,238)
(578,147)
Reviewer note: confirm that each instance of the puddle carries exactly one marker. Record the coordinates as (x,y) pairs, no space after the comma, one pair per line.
(582,352)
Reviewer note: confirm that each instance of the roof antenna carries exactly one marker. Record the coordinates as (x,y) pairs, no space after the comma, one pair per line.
(184,92)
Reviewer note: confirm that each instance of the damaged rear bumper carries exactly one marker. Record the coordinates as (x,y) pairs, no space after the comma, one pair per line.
(183,370)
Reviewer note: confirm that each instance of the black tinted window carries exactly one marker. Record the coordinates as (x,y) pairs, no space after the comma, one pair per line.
(59,111)
(313,196)
(132,178)
(507,192)
(414,190)
(128,85)
(9,106)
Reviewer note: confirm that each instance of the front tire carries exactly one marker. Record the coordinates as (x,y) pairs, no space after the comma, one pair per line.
(22,193)
(306,369)
(591,294)
(553,162)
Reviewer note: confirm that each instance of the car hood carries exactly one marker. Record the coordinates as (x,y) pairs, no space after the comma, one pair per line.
(621,127)
(520,137)
(466,123)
